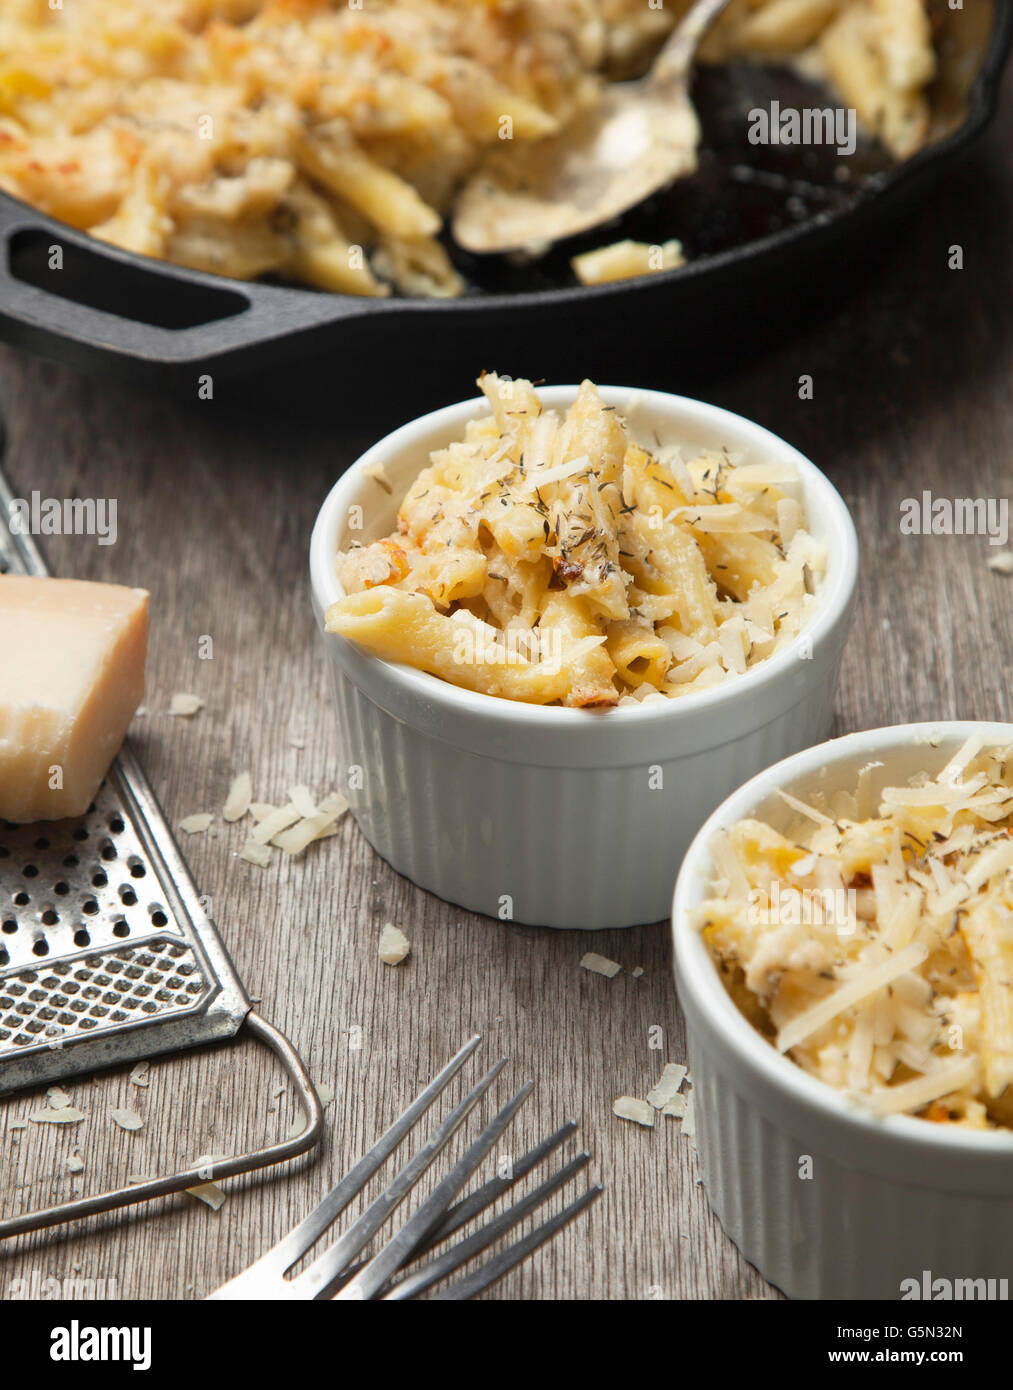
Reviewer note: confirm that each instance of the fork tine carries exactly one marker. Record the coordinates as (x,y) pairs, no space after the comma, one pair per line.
(463,1251)
(274,1263)
(319,1278)
(502,1263)
(374,1275)
(469,1207)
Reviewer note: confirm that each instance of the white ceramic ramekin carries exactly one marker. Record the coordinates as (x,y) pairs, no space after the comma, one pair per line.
(889,1199)
(564,817)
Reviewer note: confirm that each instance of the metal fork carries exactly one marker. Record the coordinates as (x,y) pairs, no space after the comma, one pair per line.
(332,1273)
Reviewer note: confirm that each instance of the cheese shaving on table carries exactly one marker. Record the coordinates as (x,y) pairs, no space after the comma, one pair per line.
(601,965)
(876,950)
(393,946)
(302,798)
(294,826)
(668,1085)
(275,823)
(197,823)
(254,853)
(1002,563)
(297,839)
(208,1192)
(629,1108)
(126,1119)
(185,705)
(237,803)
(63,1115)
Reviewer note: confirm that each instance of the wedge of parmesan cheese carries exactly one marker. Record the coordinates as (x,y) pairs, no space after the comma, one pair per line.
(71,677)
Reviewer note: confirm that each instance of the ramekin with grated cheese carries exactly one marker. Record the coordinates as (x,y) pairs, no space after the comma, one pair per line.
(843,929)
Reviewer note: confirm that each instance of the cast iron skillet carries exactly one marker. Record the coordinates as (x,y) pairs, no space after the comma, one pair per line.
(749,218)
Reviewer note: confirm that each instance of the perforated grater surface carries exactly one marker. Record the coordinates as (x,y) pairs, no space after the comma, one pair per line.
(108,956)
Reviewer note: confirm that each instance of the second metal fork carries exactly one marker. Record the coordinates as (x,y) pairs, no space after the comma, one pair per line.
(332,1273)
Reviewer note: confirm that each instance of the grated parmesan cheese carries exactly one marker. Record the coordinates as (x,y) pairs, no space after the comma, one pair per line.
(237,803)
(126,1119)
(63,1115)
(302,800)
(209,1193)
(185,706)
(600,965)
(379,474)
(255,853)
(668,1085)
(629,1108)
(275,823)
(297,839)
(197,823)
(393,946)
(875,946)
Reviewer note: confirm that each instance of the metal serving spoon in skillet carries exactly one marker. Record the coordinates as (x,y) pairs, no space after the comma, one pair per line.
(639,137)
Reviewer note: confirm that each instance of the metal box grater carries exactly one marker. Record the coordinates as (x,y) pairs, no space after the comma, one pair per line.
(107,955)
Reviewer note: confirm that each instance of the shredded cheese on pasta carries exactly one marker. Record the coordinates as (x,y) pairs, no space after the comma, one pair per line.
(553,559)
(876,949)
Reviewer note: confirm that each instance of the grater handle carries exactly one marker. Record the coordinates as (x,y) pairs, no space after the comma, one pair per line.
(294,1066)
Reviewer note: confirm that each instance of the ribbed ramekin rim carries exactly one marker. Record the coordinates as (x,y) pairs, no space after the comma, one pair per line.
(697,972)
(841,540)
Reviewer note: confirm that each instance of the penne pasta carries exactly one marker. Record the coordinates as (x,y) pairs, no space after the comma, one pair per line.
(200,131)
(541,544)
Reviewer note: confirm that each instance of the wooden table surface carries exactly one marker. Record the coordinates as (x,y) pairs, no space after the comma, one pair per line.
(215,505)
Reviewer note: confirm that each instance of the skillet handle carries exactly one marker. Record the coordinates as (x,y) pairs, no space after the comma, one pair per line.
(70,296)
